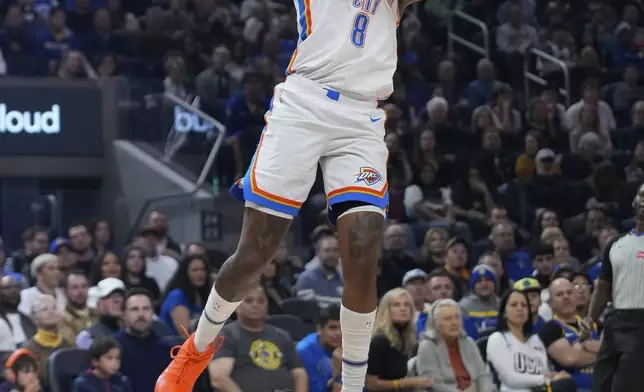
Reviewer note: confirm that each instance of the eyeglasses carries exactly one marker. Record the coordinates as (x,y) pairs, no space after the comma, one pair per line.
(582,286)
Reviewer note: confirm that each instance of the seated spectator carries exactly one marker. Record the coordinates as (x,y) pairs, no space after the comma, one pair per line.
(543,263)
(432,252)
(254,356)
(45,269)
(109,266)
(482,305)
(275,290)
(102,236)
(22,327)
(456,256)
(187,293)
(104,375)
(448,356)
(77,315)
(492,260)
(158,266)
(479,91)
(67,257)
(144,353)
(415,282)
(591,98)
(560,336)
(583,286)
(21,371)
(526,165)
(110,311)
(532,289)
(323,283)
(394,261)
(102,39)
(441,286)
(58,39)
(35,241)
(393,344)
(48,338)
(74,65)
(133,262)
(504,117)
(316,350)
(561,248)
(589,123)
(516,263)
(79,235)
(517,354)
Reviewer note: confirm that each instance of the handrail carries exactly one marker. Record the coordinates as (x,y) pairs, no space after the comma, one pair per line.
(452,37)
(529,76)
(204,172)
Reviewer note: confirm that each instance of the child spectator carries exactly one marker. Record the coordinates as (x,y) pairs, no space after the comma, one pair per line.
(104,375)
(22,372)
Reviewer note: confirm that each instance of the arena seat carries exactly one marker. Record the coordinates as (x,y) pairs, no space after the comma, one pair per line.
(306,310)
(64,366)
(291,324)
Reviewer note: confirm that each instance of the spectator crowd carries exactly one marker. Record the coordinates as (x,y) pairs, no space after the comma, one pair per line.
(501,202)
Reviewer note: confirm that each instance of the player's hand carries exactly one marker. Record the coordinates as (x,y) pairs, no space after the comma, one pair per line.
(416,383)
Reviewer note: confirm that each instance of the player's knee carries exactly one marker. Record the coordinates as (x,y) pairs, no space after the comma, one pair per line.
(361,226)
(262,236)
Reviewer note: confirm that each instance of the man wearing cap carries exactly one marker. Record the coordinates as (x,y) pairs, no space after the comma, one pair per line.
(482,306)
(532,288)
(456,257)
(67,258)
(415,281)
(110,293)
(45,269)
(159,267)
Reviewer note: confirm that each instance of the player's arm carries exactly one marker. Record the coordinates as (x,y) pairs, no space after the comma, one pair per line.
(603,289)
(219,371)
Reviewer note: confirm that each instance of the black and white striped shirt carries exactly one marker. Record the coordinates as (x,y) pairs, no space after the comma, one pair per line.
(623,267)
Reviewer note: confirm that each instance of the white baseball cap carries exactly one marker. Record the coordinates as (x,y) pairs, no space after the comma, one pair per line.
(109,285)
(414,274)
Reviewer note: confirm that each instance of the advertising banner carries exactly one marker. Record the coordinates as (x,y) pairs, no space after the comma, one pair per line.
(51,120)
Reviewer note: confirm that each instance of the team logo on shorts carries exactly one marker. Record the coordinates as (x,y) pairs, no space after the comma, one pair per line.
(369,176)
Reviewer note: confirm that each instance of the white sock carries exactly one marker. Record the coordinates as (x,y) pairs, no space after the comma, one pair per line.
(213,318)
(356,337)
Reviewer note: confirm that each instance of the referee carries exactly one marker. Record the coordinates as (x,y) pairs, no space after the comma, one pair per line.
(620,362)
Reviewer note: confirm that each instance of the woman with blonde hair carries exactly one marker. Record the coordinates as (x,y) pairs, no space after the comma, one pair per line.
(448,356)
(432,252)
(393,344)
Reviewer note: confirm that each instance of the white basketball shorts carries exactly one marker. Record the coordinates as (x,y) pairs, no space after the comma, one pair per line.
(306,124)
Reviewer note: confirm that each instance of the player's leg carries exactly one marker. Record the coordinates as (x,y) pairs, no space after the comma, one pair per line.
(355,180)
(275,186)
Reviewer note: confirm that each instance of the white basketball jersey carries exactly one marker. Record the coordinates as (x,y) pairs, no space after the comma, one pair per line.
(347,45)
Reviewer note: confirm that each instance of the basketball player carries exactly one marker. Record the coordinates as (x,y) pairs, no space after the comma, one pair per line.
(619,362)
(325,112)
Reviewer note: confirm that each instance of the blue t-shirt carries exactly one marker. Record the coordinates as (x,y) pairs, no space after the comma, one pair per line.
(177,298)
(317,362)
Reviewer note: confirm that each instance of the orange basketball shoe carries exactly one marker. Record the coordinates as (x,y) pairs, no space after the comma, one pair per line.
(186,366)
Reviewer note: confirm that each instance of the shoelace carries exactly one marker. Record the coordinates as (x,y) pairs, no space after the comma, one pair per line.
(183,358)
